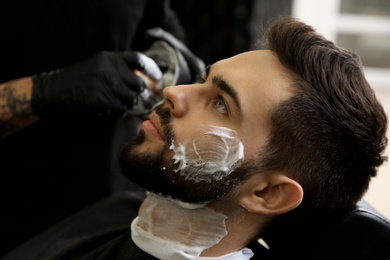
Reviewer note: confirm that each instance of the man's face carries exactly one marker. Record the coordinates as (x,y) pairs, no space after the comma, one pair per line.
(203,129)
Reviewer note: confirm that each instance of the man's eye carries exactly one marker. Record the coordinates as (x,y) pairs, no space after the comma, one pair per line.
(220,105)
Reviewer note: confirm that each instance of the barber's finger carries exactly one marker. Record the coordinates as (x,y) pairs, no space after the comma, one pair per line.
(154,85)
(127,76)
(127,95)
(144,63)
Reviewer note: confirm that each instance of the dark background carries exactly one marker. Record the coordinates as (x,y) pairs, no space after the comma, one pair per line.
(218,29)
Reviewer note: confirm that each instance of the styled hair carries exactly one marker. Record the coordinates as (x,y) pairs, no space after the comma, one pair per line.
(331,135)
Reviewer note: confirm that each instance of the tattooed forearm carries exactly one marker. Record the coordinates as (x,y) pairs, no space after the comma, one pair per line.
(15,107)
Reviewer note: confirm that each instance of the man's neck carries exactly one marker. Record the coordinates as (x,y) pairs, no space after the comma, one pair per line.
(189,228)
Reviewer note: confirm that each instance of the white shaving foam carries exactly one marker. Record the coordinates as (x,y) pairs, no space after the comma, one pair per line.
(166,223)
(212,157)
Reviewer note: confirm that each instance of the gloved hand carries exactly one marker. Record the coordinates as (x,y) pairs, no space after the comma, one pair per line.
(104,83)
(176,62)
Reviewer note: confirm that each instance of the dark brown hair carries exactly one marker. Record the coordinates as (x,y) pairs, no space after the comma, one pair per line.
(331,135)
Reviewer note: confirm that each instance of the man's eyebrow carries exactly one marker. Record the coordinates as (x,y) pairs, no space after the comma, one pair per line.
(225,87)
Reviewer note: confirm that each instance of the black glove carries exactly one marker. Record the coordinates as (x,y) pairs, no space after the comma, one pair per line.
(104,83)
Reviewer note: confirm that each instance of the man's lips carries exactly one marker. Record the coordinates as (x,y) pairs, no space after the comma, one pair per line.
(152,126)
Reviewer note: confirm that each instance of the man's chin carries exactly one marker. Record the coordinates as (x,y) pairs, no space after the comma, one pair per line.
(154,170)
(142,145)
(142,162)
(138,140)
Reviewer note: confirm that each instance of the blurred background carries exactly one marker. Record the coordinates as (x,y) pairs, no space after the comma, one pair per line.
(218,29)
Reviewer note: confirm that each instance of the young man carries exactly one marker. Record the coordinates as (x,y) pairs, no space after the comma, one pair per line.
(293,125)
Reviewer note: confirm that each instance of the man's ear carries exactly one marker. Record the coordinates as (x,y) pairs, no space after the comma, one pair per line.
(270,194)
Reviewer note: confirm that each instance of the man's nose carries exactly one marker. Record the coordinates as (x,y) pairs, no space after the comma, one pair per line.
(176,97)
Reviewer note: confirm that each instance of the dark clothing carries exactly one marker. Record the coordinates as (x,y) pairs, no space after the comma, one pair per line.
(43,35)
(101,231)
(58,166)
(55,168)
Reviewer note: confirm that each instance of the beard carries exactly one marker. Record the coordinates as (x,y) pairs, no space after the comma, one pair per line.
(155,170)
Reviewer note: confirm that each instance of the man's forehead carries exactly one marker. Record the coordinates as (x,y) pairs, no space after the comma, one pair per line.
(258,66)
(251,60)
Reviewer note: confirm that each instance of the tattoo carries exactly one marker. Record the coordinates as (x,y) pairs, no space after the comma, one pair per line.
(15,110)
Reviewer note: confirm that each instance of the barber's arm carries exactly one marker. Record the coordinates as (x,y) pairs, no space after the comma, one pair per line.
(107,83)
(15,105)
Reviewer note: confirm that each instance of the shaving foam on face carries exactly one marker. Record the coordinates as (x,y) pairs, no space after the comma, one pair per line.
(165,224)
(212,157)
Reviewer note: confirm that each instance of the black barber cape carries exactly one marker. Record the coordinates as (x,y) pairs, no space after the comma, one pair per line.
(101,231)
